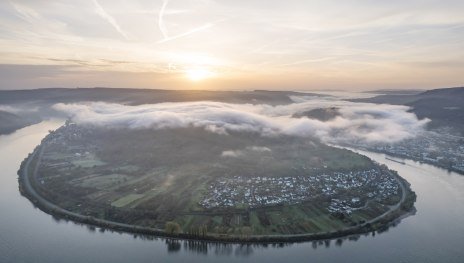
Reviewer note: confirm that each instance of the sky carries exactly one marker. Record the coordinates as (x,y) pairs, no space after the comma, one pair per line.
(232,45)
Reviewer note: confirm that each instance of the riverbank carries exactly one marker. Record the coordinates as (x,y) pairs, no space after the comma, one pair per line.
(382,222)
(11,122)
(434,163)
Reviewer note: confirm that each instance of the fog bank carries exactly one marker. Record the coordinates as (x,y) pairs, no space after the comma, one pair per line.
(357,122)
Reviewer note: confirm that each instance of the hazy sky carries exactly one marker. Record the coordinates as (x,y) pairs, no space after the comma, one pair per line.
(232,44)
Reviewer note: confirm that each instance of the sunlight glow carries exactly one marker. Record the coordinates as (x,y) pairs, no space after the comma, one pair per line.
(197,74)
(223,45)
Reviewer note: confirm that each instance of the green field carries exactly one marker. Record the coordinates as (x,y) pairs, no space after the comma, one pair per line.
(126,200)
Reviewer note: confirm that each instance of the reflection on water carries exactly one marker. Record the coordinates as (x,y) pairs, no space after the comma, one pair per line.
(227,248)
(216,248)
(434,234)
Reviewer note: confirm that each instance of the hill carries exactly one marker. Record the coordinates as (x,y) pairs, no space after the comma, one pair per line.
(144,96)
(322,114)
(9,122)
(444,107)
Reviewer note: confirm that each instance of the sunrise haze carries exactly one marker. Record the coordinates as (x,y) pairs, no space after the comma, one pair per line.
(232,45)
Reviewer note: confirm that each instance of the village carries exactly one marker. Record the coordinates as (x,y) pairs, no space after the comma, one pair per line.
(347,191)
(440,149)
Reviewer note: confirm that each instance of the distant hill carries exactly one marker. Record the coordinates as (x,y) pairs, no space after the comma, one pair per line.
(144,96)
(396,92)
(322,114)
(10,122)
(445,107)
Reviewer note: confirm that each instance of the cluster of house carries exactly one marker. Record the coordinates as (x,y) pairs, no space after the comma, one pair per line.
(345,206)
(62,140)
(66,134)
(239,191)
(443,150)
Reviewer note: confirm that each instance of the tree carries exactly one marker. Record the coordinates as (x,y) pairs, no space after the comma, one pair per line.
(172,228)
(246,231)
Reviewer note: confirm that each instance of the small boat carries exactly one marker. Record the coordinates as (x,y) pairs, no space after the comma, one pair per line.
(396,161)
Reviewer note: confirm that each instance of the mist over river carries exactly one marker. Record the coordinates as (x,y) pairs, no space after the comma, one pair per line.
(434,234)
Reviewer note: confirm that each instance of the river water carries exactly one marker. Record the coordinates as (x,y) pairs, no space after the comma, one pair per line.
(434,234)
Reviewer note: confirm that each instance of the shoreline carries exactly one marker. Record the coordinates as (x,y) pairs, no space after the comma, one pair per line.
(404,157)
(400,156)
(403,209)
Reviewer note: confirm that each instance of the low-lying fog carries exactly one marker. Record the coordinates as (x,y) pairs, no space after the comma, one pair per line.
(360,122)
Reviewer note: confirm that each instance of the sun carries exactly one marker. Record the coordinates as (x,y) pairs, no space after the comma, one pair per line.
(197,74)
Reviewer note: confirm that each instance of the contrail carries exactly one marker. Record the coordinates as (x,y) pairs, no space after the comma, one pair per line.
(101,12)
(197,29)
(164,30)
(203,27)
(161,24)
(307,61)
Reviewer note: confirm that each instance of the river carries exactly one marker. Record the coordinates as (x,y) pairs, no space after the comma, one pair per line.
(434,234)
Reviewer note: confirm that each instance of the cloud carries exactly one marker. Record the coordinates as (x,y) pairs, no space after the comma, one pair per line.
(26,13)
(17,109)
(358,122)
(232,153)
(102,12)
(258,149)
(238,153)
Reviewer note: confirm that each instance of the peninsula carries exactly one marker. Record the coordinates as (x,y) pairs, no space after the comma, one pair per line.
(198,184)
